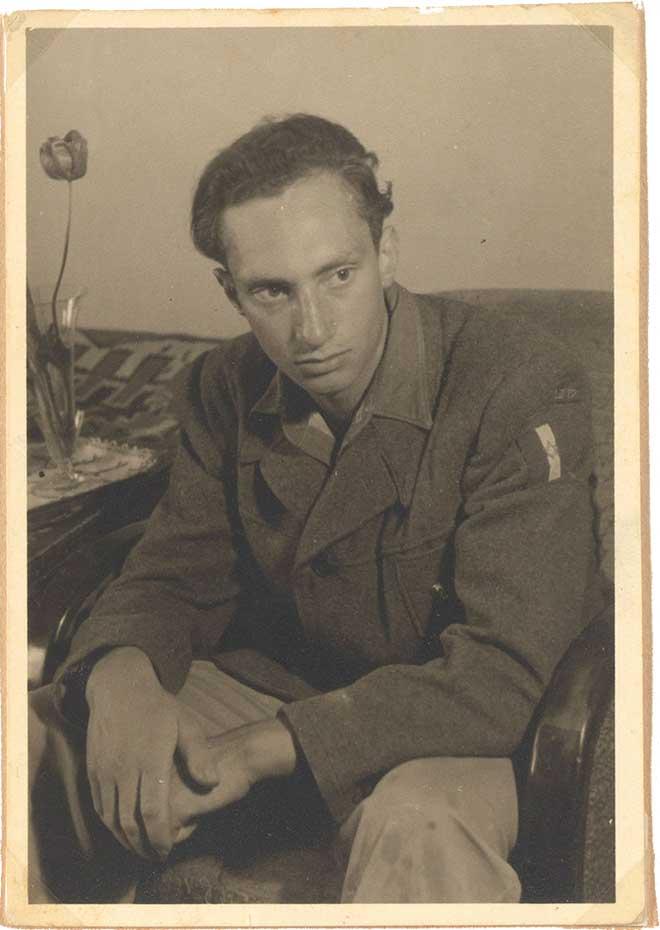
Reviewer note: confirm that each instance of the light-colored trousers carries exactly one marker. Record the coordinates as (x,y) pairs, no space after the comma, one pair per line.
(432,830)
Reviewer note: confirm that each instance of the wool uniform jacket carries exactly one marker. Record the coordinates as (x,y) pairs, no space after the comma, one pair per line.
(408,595)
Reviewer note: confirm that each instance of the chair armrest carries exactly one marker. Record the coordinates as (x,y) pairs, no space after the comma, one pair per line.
(80,580)
(560,761)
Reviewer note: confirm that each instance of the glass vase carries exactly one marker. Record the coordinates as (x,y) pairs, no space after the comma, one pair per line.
(51,341)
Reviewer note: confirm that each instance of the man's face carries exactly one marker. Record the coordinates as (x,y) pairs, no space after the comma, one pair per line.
(307,277)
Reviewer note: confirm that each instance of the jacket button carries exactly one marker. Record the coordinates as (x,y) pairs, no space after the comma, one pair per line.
(439,592)
(324,565)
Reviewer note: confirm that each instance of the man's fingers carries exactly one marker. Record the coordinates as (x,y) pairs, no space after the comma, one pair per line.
(127,805)
(184,832)
(107,803)
(206,803)
(136,830)
(196,755)
(106,807)
(95,792)
(195,804)
(154,810)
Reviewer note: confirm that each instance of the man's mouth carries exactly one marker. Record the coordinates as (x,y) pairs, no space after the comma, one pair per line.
(320,364)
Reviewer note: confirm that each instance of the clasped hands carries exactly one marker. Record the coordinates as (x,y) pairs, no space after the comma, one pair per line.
(140,739)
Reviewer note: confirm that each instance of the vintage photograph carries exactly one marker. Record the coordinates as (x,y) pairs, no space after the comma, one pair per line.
(317,343)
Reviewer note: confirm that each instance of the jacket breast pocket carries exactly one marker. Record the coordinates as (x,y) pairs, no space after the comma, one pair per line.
(423,576)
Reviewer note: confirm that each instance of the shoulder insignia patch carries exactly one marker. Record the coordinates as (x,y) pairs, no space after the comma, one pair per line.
(547,439)
(540,450)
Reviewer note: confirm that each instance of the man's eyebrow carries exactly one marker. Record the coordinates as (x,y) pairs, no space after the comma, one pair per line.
(256,283)
(346,258)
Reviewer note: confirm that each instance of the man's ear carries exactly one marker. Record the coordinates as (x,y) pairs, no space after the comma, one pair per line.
(388,255)
(226,282)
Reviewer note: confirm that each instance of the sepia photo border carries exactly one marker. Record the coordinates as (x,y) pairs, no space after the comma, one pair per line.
(635,901)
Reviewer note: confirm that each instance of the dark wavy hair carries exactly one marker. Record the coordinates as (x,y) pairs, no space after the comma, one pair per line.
(269,158)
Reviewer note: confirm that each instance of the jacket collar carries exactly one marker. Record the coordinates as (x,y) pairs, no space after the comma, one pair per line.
(399,388)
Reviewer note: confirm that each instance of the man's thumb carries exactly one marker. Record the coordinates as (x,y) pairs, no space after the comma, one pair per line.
(197,757)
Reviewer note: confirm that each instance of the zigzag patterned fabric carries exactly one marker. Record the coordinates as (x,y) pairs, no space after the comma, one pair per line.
(124,383)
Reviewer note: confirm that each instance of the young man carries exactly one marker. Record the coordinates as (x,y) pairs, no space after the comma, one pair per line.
(378,530)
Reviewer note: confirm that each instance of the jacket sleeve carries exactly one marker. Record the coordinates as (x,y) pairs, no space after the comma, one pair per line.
(523,562)
(178,590)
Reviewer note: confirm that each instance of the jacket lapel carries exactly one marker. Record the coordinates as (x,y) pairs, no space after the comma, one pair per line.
(292,476)
(374,473)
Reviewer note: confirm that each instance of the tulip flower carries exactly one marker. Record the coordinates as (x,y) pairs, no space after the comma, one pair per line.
(51,354)
(64,159)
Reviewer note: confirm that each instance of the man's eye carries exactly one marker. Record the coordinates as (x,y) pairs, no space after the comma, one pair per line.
(343,274)
(270,294)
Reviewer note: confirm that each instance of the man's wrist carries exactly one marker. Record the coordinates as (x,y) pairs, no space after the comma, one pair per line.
(271,751)
(72,686)
(129,662)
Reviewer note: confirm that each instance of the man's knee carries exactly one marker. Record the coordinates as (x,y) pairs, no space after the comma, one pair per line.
(447,798)
(435,830)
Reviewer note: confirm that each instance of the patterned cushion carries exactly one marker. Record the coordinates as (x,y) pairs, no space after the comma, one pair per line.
(124,383)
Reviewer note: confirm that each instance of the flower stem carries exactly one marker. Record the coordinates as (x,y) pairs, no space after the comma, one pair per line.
(46,398)
(64,258)
(71,390)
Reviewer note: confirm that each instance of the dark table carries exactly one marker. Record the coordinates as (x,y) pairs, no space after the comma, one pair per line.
(55,531)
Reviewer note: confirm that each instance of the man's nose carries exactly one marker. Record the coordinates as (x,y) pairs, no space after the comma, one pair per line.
(312,325)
